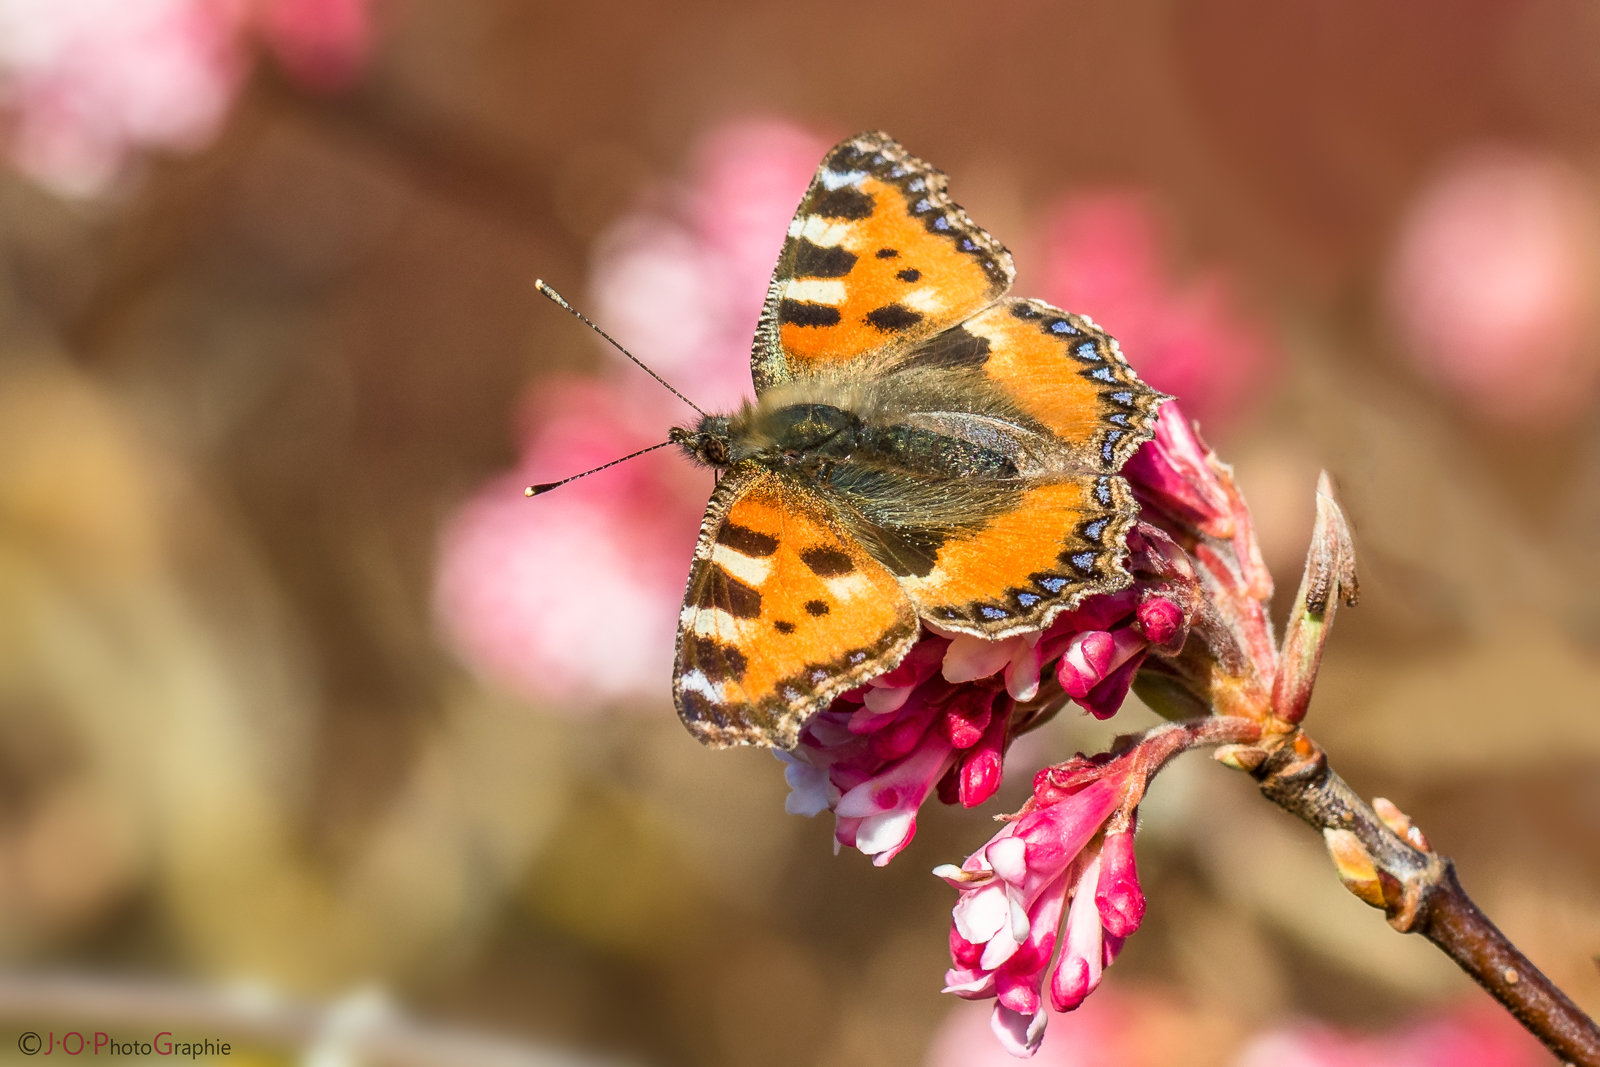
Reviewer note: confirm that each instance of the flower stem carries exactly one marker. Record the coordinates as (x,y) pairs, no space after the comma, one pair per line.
(1418,890)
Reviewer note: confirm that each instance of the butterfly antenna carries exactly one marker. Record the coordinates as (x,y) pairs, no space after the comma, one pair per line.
(545,487)
(545,290)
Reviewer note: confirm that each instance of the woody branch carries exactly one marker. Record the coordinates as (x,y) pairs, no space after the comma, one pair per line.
(1379,855)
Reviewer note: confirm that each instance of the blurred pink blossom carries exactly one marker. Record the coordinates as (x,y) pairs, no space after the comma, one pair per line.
(1493,285)
(682,286)
(1106,256)
(1471,1036)
(88,83)
(1108,1031)
(321,44)
(573,598)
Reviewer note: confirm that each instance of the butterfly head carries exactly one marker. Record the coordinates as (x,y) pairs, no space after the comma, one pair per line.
(708,443)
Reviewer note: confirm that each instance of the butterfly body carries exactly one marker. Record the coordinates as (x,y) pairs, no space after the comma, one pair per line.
(919,448)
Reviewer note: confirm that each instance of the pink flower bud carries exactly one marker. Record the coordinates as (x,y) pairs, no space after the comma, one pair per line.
(1083,958)
(1086,662)
(1171,472)
(1160,619)
(902,734)
(983,766)
(1104,700)
(921,663)
(966,717)
(1117,895)
(879,816)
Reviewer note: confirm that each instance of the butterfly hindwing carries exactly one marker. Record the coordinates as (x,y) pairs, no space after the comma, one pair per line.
(783,612)
(1061,537)
(1060,542)
(877,259)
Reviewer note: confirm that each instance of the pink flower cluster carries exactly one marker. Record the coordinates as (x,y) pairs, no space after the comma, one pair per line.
(1007,925)
(941,720)
(88,83)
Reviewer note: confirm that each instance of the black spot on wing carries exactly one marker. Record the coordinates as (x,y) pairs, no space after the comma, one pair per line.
(845,202)
(826,562)
(816,608)
(893,317)
(745,541)
(887,253)
(910,274)
(718,662)
(803,313)
(725,591)
(783,627)
(819,261)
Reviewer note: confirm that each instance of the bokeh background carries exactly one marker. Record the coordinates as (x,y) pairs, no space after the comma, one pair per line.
(299,696)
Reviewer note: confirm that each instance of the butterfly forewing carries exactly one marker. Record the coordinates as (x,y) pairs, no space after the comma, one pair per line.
(783,612)
(877,258)
(1066,375)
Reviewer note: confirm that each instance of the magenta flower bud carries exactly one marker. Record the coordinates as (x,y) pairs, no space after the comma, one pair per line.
(966,717)
(1161,620)
(963,953)
(1086,662)
(1171,472)
(1117,895)
(902,735)
(1077,974)
(921,663)
(981,769)
(1105,699)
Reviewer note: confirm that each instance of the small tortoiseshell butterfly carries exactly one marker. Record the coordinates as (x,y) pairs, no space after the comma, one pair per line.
(920,447)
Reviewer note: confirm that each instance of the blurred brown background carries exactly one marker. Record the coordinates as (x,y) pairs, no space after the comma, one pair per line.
(241,392)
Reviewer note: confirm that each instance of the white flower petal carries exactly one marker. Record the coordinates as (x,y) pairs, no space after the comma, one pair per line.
(880,833)
(1001,947)
(970,657)
(981,914)
(1019,1034)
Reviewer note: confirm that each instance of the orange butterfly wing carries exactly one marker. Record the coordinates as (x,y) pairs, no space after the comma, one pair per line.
(877,259)
(784,611)
(1063,539)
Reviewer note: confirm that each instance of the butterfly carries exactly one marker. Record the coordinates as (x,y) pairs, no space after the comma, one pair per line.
(921,447)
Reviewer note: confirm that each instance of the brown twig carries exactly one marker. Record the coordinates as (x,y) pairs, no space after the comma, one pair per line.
(1390,865)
